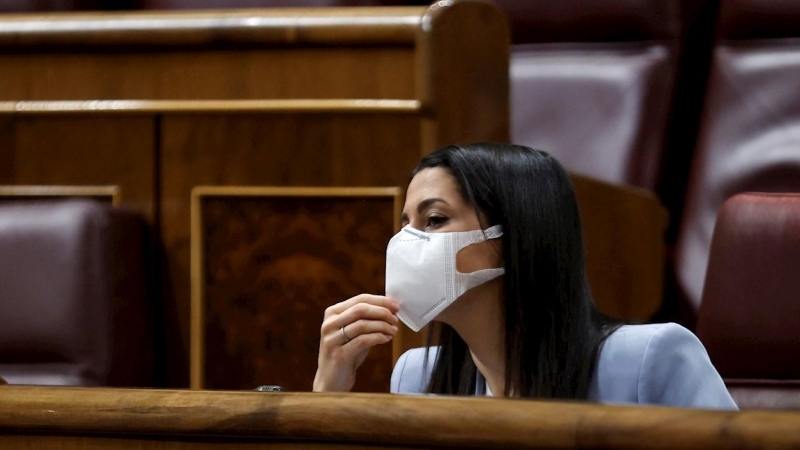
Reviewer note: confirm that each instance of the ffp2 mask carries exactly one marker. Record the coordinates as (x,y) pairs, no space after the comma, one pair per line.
(421,272)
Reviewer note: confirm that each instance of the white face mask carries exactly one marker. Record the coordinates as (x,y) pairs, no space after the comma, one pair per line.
(421,271)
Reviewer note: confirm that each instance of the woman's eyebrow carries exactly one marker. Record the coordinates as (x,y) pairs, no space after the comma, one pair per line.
(425,204)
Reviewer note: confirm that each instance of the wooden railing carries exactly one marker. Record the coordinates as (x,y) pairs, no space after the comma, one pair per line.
(71,418)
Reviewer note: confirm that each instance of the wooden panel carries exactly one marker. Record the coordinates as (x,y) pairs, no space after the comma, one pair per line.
(293,150)
(241,74)
(623,230)
(105,194)
(266,263)
(156,417)
(6,149)
(208,29)
(469,94)
(87,151)
(45,442)
(153,107)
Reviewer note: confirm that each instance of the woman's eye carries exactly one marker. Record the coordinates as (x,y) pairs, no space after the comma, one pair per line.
(436,221)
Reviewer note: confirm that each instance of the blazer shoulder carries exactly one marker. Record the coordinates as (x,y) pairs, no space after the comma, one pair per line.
(676,371)
(411,374)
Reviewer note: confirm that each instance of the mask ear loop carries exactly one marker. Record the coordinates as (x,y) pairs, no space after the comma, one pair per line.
(493,232)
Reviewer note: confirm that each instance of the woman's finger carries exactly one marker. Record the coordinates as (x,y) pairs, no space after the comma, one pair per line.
(358,312)
(377,300)
(363,342)
(359,327)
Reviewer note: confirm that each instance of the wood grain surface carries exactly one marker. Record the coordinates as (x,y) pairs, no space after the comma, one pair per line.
(266,264)
(103,194)
(287,26)
(144,416)
(75,154)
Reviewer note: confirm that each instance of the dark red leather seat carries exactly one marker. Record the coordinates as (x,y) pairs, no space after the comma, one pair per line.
(74,304)
(594,83)
(750,131)
(749,319)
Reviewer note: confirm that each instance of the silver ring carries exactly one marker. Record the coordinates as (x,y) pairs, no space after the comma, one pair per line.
(344,335)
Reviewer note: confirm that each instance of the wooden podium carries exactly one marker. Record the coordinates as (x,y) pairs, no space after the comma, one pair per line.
(91,418)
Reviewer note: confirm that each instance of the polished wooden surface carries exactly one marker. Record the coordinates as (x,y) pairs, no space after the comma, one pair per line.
(106,194)
(151,107)
(290,26)
(78,153)
(469,93)
(39,416)
(239,73)
(623,231)
(266,263)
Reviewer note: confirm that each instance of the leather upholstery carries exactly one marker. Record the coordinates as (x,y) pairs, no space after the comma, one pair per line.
(593,83)
(599,109)
(749,137)
(749,319)
(74,308)
(765,394)
(582,21)
(759,19)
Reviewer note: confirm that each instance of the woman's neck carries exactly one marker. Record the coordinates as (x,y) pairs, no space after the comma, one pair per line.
(478,317)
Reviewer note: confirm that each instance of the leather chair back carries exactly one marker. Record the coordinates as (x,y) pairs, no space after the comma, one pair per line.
(750,132)
(74,308)
(593,83)
(749,319)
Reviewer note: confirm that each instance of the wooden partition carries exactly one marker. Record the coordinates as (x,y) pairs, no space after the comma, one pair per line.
(304,246)
(157,104)
(91,418)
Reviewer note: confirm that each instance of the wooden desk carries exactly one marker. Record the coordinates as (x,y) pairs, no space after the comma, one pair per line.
(70,418)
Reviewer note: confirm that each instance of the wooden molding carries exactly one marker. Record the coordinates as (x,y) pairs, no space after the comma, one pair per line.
(285,420)
(197,262)
(145,107)
(279,26)
(114,193)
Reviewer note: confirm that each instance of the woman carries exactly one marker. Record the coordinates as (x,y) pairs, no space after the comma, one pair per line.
(517,317)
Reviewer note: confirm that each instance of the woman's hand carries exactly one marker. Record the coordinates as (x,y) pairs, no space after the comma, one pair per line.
(350,329)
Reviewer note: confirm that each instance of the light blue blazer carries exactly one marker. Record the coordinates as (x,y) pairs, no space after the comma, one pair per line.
(660,364)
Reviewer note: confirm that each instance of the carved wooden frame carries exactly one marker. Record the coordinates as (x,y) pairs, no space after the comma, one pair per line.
(197,341)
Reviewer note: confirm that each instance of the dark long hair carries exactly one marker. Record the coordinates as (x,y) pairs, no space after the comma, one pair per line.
(553,330)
